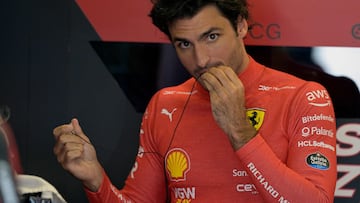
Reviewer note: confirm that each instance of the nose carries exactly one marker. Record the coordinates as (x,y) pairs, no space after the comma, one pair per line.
(202,56)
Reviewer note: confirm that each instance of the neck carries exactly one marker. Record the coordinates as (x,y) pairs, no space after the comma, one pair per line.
(244,63)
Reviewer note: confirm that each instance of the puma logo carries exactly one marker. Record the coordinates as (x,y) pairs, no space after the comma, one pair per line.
(169,114)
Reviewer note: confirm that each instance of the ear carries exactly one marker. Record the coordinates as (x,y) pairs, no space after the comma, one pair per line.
(242,27)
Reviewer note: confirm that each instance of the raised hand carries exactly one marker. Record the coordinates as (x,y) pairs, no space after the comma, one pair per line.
(227,97)
(77,155)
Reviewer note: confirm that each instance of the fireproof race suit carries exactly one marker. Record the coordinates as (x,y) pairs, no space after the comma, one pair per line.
(185,157)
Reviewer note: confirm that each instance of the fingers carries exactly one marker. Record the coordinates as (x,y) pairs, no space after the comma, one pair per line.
(232,76)
(78,131)
(67,152)
(62,129)
(70,141)
(213,79)
(221,79)
(65,143)
(73,128)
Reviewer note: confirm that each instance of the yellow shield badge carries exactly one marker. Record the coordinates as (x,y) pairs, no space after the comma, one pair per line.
(256,117)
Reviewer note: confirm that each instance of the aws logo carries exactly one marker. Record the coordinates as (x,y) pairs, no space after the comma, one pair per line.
(177,164)
(256,117)
(313,96)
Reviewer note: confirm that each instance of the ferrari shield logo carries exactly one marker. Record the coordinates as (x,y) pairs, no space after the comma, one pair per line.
(256,117)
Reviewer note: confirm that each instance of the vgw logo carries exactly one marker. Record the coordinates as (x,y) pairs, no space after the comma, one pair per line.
(184,195)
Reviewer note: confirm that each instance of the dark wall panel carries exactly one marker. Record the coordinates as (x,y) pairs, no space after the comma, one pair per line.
(49,73)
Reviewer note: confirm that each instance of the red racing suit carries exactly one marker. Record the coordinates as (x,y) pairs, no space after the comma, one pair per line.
(185,157)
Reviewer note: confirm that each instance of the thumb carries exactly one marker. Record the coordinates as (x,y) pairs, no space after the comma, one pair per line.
(77,130)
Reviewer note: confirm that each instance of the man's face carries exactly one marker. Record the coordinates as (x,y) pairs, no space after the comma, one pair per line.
(208,40)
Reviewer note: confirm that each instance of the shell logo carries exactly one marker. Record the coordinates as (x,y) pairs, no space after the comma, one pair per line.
(177,164)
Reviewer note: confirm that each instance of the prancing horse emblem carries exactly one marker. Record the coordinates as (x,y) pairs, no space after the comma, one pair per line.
(256,117)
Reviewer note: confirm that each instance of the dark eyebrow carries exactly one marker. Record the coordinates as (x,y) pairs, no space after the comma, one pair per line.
(179,39)
(205,34)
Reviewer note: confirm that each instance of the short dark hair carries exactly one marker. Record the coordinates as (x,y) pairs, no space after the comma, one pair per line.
(165,12)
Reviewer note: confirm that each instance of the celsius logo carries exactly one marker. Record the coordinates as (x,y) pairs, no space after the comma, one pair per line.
(247,188)
(177,164)
(356,31)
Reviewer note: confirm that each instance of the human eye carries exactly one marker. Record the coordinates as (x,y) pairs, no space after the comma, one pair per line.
(213,36)
(183,44)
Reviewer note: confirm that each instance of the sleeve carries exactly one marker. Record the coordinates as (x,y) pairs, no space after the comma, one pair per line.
(309,173)
(146,181)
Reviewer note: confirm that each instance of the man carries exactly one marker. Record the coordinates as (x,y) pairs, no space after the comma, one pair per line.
(236,132)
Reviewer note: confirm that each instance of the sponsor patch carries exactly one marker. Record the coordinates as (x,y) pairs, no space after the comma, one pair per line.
(317,97)
(168,113)
(317,117)
(177,164)
(256,117)
(318,161)
(314,130)
(249,187)
(268,88)
(184,195)
(314,143)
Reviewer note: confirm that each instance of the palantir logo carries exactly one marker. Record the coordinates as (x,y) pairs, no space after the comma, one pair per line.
(314,130)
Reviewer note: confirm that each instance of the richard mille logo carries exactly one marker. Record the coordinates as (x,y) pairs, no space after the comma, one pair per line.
(169,114)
